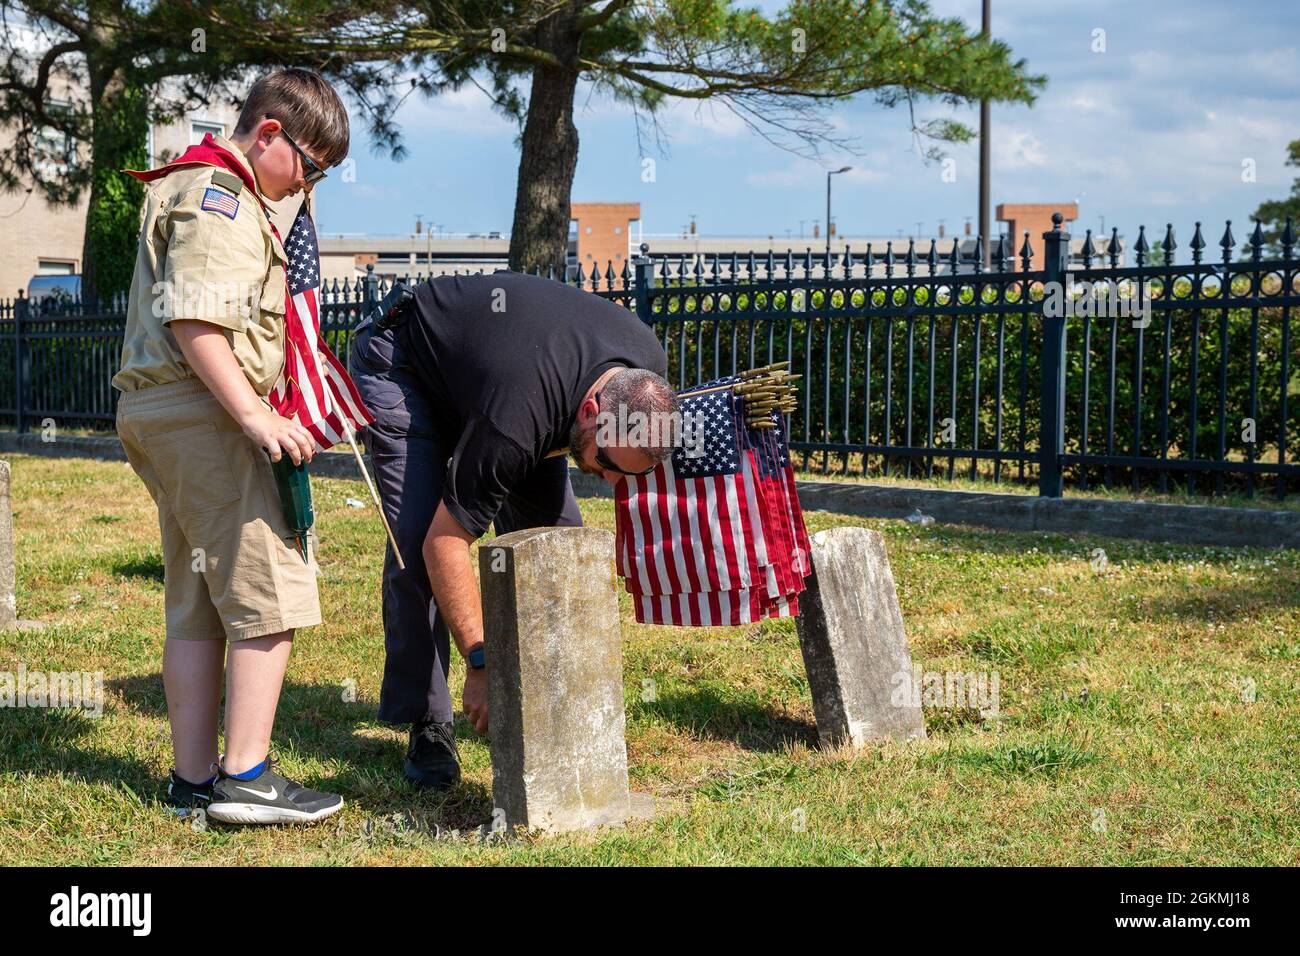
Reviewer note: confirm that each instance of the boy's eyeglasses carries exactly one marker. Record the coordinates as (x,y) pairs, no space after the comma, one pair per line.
(603,460)
(312,172)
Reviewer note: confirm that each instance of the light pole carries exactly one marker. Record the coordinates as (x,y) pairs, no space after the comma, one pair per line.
(829,174)
(985,133)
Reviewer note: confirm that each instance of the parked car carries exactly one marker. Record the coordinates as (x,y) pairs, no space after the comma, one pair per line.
(59,288)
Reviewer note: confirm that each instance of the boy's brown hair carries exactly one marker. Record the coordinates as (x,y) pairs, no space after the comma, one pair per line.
(306,106)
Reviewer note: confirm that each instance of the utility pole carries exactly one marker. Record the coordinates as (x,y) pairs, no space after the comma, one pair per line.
(984,150)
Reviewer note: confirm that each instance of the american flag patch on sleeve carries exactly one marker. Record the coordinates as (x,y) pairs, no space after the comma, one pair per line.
(217,200)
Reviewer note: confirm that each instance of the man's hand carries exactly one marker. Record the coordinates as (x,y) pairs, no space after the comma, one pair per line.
(273,432)
(474,700)
(446,558)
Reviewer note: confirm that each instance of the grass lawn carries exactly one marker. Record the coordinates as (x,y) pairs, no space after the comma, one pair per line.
(1149,711)
(1121,490)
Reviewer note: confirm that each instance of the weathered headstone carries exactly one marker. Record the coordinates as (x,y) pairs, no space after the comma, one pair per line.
(854,648)
(8,581)
(555,679)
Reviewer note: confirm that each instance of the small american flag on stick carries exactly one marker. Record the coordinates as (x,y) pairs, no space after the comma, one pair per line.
(314,387)
(714,535)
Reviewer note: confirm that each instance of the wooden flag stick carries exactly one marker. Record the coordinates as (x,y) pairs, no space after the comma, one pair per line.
(352,440)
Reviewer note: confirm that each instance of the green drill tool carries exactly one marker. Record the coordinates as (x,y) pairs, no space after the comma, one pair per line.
(294,486)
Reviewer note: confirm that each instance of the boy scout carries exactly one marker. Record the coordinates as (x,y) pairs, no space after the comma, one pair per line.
(204,345)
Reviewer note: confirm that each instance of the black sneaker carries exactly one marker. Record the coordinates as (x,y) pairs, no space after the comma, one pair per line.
(431,758)
(269,798)
(187,796)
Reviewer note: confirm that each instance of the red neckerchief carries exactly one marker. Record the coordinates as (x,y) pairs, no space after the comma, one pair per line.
(206,153)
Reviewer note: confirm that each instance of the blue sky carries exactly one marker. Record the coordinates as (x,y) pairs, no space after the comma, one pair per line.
(1153,130)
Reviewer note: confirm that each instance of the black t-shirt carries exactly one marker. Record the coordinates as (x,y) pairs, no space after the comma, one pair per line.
(506,359)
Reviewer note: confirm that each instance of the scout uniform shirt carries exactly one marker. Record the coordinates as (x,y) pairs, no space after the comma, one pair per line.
(206,252)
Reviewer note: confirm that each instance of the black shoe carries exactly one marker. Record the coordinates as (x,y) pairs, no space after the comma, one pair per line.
(187,796)
(269,798)
(431,758)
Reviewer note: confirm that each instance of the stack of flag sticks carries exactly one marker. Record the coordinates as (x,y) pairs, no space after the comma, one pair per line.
(766,390)
(715,535)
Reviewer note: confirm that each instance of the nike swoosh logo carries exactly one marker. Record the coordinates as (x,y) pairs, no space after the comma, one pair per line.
(269,794)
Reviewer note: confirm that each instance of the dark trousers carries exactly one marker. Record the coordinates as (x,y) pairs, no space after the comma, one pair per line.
(408,451)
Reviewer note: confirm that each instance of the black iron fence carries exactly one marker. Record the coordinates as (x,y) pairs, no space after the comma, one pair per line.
(1161,375)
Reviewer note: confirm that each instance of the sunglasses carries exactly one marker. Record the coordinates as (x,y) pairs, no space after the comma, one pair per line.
(603,460)
(312,172)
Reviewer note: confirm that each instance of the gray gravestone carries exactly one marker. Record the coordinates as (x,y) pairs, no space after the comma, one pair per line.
(555,679)
(851,634)
(8,581)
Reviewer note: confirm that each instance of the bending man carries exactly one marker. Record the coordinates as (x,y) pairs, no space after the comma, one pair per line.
(477,388)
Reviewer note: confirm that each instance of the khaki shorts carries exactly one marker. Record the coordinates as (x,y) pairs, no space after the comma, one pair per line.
(232,567)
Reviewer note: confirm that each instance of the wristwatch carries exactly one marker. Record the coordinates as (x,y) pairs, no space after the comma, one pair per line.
(475,658)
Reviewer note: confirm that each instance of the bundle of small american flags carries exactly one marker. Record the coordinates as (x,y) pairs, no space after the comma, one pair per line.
(714,535)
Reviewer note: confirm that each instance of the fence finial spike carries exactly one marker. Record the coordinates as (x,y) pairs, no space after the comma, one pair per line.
(1141,246)
(1197,243)
(1227,242)
(1168,244)
(1087,250)
(1287,238)
(1257,240)
(1026,251)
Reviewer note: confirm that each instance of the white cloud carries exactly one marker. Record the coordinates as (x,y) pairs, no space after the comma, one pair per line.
(466,111)
(1016,149)
(806,174)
